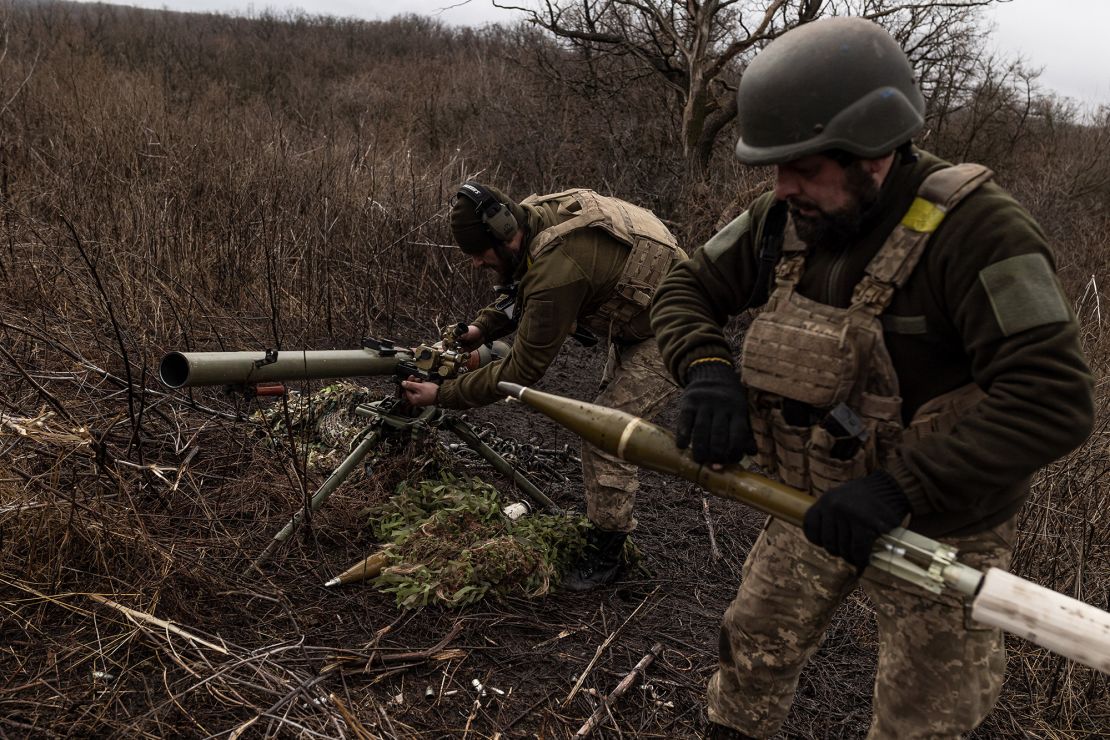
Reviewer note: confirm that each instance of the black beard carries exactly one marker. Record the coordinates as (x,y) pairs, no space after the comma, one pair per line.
(507,272)
(837,229)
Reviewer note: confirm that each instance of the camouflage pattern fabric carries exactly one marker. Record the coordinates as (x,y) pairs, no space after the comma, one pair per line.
(939,673)
(947,335)
(322,423)
(634,381)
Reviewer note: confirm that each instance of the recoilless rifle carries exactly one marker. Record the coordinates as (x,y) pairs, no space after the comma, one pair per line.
(1064,625)
(261,373)
(264,373)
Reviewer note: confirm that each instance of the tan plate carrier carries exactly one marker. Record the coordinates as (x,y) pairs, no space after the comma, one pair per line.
(653,249)
(823,356)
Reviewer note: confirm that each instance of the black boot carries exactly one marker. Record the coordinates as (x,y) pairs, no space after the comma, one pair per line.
(715,731)
(600,562)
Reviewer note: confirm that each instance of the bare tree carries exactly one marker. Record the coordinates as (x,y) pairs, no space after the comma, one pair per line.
(698,49)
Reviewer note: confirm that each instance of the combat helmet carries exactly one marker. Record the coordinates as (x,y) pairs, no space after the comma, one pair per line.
(838,83)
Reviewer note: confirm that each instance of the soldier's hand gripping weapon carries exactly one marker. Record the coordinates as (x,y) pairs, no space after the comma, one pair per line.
(1060,623)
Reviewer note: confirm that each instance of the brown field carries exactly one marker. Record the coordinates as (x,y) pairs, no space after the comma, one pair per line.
(199,182)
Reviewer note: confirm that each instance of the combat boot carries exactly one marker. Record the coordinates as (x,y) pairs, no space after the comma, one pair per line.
(600,562)
(715,731)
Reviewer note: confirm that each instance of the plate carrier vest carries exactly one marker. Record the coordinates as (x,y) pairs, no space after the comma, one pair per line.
(820,356)
(653,250)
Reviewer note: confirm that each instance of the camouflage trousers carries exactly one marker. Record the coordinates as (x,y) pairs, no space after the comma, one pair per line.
(939,673)
(634,381)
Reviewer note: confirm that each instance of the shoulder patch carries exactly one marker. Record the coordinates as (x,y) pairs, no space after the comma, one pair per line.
(720,242)
(538,323)
(1024,293)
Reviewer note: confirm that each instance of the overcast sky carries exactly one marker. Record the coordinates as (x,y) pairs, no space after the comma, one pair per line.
(1067,38)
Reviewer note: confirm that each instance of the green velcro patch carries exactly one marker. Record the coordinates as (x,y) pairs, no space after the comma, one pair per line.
(904,324)
(726,237)
(1023,293)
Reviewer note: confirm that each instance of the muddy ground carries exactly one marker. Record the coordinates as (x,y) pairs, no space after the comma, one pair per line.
(537,649)
(274,653)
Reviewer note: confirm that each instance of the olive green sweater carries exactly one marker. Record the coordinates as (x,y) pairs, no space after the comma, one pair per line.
(982,306)
(565,285)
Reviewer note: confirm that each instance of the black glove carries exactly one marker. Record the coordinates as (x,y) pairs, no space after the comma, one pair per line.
(847,520)
(713,415)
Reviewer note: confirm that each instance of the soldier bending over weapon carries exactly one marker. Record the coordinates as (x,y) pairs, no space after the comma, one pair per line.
(574,260)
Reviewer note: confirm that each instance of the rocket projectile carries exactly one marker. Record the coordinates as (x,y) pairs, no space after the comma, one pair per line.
(369,567)
(1067,626)
(642,443)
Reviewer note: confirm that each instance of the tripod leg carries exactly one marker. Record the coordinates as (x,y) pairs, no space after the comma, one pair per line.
(322,493)
(463,431)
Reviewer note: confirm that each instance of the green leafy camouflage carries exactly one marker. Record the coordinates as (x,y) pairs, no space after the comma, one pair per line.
(453,546)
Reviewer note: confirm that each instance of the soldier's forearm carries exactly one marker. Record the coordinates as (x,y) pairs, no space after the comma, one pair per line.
(493,324)
(683,334)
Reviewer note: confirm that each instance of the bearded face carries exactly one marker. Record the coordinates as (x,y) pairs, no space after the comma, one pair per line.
(499,260)
(507,264)
(821,225)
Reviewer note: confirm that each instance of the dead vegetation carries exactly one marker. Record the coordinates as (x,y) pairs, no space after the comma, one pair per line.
(199,182)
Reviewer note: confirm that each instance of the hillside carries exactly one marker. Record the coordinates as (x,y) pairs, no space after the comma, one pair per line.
(173,181)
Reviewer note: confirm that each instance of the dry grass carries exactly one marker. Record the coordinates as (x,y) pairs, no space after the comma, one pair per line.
(172,181)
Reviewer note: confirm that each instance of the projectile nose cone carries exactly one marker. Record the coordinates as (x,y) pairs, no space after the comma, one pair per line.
(511,389)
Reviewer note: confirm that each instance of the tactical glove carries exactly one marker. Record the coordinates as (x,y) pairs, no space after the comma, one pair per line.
(713,415)
(847,520)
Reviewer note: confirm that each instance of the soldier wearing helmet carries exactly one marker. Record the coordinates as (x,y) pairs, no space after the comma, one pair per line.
(580,264)
(915,361)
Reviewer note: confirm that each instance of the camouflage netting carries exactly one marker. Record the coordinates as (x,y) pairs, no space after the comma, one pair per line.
(324,428)
(449,542)
(452,545)
(322,424)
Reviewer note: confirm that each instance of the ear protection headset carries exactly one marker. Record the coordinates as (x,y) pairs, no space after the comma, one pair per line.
(496,216)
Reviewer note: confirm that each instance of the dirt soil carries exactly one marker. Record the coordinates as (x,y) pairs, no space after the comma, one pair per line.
(535,651)
(274,653)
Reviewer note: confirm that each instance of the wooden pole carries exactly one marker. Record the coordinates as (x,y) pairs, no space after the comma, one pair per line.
(599,714)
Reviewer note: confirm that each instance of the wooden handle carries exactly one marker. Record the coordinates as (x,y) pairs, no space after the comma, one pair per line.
(1060,623)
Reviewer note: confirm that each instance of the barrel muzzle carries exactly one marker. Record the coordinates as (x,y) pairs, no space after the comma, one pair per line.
(174,369)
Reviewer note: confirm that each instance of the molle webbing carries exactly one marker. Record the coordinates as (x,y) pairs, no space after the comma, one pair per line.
(803,351)
(652,248)
(899,255)
(581,208)
(822,355)
(801,354)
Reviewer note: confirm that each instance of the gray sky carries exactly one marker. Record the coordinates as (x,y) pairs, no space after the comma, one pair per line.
(1067,38)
